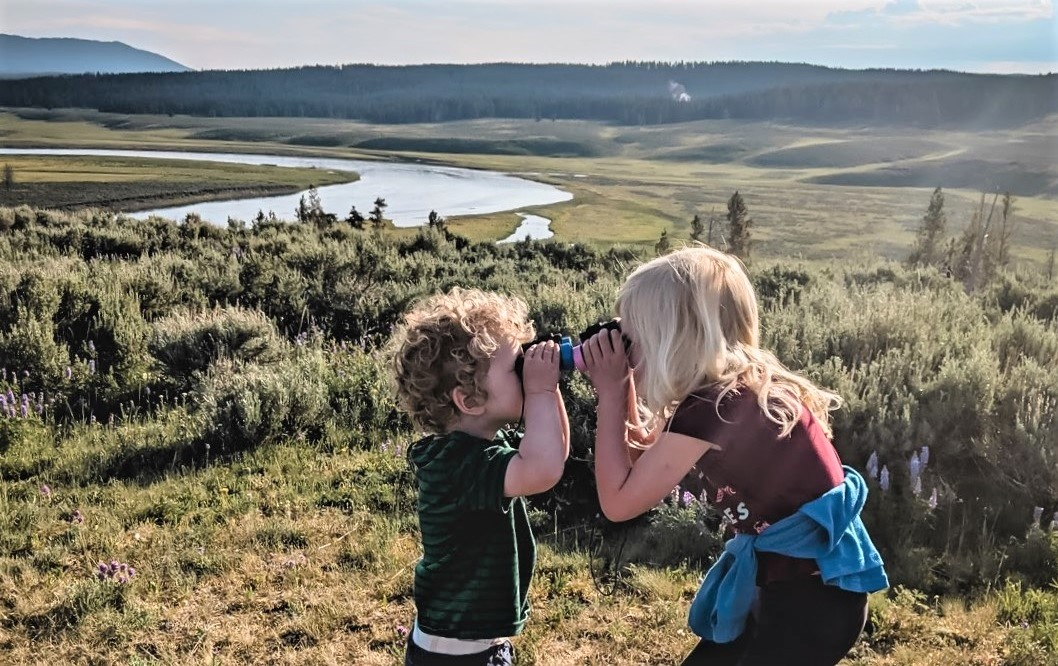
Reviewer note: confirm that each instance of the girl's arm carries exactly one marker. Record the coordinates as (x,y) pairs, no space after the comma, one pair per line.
(564,422)
(629,488)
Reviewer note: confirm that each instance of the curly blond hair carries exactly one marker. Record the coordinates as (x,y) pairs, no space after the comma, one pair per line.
(447,341)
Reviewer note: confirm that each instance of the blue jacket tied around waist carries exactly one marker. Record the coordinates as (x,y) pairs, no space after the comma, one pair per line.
(827,530)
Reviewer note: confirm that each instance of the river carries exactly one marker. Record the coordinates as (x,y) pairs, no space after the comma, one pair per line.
(410,190)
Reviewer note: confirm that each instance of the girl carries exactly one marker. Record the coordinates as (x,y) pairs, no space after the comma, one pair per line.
(756,436)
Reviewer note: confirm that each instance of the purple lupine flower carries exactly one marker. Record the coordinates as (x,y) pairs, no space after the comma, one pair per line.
(923,455)
(385,447)
(688,498)
(69,373)
(916,488)
(915,467)
(10,396)
(933,500)
(92,367)
(401,630)
(1037,513)
(77,518)
(872,465)
(883,478)
(25,407)
(91,346)
(45,491)
(1054,522)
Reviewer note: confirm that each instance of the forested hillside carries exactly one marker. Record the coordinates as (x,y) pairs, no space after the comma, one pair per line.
(639,93)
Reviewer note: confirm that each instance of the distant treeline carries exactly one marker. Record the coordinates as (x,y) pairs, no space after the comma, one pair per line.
(635,93)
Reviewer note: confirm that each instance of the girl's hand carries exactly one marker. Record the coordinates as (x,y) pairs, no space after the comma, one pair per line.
(606,361)
(541,368)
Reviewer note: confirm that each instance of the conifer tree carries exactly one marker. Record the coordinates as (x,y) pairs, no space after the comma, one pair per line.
(739,223)
(930,236)
(663,245)
(697,228)
(376,213)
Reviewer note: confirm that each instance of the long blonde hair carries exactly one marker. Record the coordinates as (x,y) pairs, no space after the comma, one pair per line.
(693,316)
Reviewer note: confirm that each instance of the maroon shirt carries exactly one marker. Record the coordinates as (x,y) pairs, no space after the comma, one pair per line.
(757,478)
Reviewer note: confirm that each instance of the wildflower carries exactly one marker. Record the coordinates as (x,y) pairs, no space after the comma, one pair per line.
(91,346)
(117,572)
(92,367)
(1054,522)
(45,491)
(872,465)
(77,518)
(883,479)
(915,467)
(933,500)
(923,456)
(402,631)
(916,489)
(688,498)
(69,373)
(1037,513)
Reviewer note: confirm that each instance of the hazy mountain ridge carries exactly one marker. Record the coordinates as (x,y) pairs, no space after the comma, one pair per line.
(28,56)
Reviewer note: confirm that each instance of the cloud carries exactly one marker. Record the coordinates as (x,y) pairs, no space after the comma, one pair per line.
(946,12)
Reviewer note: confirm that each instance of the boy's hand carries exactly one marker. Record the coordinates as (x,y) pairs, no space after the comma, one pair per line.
(605,360)
(541,368)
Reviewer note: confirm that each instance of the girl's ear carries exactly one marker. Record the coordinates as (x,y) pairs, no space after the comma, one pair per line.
(466,404)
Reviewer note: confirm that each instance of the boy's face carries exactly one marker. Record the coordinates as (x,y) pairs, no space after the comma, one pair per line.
(503,385)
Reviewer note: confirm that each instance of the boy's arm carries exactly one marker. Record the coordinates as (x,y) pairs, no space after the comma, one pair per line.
(541,456)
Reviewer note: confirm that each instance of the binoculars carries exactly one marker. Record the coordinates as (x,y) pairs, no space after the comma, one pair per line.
(570,355)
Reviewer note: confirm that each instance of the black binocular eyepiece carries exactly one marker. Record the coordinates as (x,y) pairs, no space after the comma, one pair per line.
(570,355)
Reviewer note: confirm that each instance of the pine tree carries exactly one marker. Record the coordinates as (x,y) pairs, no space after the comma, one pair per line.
(739,224)
(697,228)
(355,218)
(663,245)
(9,177)
(435,221)
(376,213)
(930,237)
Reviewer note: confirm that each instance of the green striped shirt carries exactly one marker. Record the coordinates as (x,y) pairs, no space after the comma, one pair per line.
(478,549)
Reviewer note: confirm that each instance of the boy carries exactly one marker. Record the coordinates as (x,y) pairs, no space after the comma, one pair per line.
(454,362)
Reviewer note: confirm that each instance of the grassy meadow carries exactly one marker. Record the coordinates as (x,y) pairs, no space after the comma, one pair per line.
(201,461)
(815,193)
(129,184)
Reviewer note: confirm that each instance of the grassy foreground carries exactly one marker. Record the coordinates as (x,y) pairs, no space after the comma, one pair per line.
(291,555)
(130,184)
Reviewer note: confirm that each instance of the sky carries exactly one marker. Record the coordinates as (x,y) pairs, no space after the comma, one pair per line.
(1001,36)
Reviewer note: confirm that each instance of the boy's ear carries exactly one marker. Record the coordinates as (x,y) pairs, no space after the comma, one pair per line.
(465,403)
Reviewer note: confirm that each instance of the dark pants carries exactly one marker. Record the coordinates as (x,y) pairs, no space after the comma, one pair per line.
(801,622)
(501,654)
